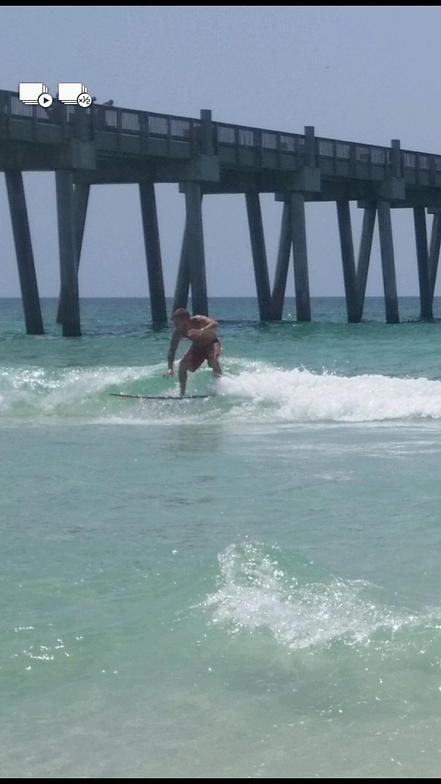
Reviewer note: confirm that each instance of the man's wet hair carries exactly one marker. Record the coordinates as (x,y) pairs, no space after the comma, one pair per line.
(181,313)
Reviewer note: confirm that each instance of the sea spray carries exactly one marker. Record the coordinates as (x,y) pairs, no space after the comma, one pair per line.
(255,594)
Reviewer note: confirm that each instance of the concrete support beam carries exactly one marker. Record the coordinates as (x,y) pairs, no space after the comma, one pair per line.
(426,307)
(388,262)
(259,255)
(307,180)
(195,248)
(364,255)
(23,249)
(81,201)
(69,299)
(435,244)
(392,189)
(310,146)
(153,252)
(183,280)
(395,158)
(281,276)
(348,258)
(301,279)
(206,127)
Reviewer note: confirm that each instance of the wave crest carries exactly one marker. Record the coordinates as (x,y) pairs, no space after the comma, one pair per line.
(299,395)
(249,391)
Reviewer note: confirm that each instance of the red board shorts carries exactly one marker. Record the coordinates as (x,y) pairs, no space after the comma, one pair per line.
(195,356)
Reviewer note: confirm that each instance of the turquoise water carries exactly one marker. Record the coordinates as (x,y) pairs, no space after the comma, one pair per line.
(243,586)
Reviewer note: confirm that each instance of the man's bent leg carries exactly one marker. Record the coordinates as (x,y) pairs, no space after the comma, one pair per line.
(213,360)
(217,370)
(182,376)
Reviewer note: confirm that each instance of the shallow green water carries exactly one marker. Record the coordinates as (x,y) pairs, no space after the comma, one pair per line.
(243,586)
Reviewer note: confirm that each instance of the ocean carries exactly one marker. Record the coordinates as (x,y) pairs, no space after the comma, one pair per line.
(246,586)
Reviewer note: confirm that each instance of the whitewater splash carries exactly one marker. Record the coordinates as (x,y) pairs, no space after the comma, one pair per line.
(40,391)
(255,594)
(249,391)
(301,396)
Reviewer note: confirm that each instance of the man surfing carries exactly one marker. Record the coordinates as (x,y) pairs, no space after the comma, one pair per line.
(205,345)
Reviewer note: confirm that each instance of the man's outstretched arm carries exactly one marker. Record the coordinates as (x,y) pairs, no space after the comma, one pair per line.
(172,352)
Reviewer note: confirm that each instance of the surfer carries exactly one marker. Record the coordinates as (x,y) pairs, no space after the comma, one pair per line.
(205,345)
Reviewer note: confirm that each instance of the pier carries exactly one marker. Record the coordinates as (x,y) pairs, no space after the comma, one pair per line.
(109,145)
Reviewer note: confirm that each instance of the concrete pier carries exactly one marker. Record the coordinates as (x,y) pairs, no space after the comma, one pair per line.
(435,244)
(69,298)
(25,256)
(81,201)
(194,248)
(422,250)
(153,252)
(301,277)
(109,144)
(281,274)
(388,263)
(258,250)
(348,258)
(183,278)
(364,255)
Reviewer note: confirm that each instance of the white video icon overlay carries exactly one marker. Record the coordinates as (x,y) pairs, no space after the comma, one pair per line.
(69,92)
(30,92)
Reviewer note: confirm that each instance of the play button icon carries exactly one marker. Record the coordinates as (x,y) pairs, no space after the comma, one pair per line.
(45,100)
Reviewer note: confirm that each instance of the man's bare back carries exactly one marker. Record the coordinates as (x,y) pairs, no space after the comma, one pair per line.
(202,331)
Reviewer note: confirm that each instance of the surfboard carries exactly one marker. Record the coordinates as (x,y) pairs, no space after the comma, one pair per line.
(160,397)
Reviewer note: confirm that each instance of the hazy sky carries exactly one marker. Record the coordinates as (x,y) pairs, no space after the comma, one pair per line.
(365,73)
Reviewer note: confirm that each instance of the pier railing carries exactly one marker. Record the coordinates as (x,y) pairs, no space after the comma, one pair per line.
(152,133)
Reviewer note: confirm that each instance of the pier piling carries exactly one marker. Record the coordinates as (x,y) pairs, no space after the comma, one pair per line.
(388,262)
(183,278)
(153,252)
(23,249)
(281,274)
(435,244)
(81,201)
(426,307)
(69,298)
(258,250)
(364,255)
(194,248)
(301,279)
(348,259)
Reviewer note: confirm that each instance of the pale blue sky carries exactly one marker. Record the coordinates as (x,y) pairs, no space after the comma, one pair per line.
(367,73)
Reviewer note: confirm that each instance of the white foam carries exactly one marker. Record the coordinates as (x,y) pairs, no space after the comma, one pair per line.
(255,594)
(301,396)
(48,390)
